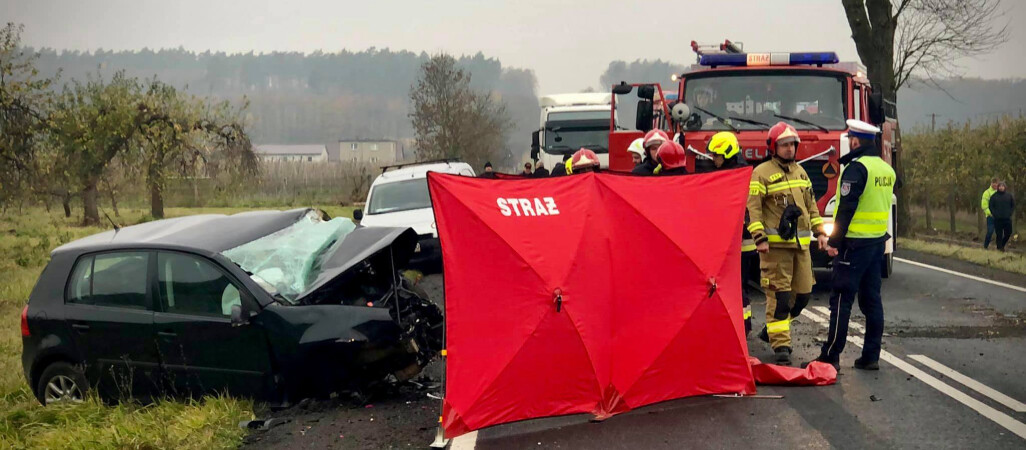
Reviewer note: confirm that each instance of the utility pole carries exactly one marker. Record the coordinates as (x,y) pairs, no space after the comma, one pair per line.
(933,122)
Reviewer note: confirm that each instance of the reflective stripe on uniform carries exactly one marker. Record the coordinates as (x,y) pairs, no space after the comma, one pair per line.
(785,185)
(747,245)
(756,188)
(748,312)
(755,226)
(779,326)
(816,221)
(803,237)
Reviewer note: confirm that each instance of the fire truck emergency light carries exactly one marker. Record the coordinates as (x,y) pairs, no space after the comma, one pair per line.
(769,59)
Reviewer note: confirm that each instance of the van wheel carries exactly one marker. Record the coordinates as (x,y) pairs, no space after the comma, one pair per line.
(62,383)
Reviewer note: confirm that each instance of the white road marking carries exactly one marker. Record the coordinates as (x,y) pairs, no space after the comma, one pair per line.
(851,324)
(960,274)
(985,410)
(464,442)
(970,383)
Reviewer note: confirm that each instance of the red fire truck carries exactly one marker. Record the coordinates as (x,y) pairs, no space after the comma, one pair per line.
(746,93)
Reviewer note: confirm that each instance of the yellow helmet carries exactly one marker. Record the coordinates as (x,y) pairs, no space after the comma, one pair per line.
(724,144)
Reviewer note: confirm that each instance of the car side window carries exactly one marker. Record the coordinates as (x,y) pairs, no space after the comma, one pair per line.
(110,279)
(192,285)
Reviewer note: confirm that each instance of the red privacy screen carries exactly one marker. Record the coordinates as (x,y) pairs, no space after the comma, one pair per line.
(590,293)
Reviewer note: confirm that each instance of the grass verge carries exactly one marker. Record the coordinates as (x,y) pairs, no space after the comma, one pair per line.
(26,240)
(1009,262)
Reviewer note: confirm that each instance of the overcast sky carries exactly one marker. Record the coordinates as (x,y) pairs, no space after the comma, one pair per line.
(567,43)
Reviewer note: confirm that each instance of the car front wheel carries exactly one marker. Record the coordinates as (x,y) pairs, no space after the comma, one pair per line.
(61,382)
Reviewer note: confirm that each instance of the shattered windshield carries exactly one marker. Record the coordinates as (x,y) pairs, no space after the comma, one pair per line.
(286,262)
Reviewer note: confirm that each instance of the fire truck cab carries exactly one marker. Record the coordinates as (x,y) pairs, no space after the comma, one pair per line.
(747,93)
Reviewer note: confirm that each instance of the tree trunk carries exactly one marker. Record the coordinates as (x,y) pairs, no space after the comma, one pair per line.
(156,201)
(951,211)
(91,214)
(929,211)
(66,203)
(114,203)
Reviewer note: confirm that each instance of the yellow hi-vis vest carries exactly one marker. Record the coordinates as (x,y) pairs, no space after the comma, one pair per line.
(874,209)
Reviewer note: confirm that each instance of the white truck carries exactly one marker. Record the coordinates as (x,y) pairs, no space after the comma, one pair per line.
(569,122)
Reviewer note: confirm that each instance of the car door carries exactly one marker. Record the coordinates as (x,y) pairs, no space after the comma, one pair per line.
(108,306)
(200,350)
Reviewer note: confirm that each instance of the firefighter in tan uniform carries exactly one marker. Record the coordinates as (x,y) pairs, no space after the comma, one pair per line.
(784,219)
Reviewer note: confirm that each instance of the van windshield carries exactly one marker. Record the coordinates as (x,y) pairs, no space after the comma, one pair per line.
(399,196)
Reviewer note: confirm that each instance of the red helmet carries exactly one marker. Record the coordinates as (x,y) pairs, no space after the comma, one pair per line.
(656,136)
(781,133)
(584,159)
(672,155)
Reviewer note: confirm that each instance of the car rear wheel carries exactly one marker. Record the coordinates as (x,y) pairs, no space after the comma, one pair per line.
(62,383)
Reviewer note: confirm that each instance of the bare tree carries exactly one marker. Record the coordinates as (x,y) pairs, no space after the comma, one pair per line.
(453,121)
(924,38)
(897,40)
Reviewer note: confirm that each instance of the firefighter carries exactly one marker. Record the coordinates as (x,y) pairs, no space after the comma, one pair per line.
(653,139)
(583,161)
(726,154)
(672,159)
(784,218)
(637,151)
(560,168)
(857,245)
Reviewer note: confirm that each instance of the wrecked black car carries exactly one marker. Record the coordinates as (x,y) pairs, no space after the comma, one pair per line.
(268,304)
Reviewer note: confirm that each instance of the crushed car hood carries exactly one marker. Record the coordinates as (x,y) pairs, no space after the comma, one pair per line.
(377,244)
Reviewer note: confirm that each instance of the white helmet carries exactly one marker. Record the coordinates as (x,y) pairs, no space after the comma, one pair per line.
(638,146)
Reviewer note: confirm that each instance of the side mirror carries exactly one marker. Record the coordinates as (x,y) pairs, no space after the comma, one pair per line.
(535,145)
(643,121)
(358,214)
(623,88)
(646,92)
(876,108)
(238,319)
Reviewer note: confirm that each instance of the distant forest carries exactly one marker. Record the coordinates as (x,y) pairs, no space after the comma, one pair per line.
(956,100)
(309,98)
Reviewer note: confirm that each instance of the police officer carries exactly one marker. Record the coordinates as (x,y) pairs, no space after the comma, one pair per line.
(726,154)
(784,217)
(857,245)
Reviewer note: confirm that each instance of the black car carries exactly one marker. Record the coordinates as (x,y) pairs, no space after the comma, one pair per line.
(269,304)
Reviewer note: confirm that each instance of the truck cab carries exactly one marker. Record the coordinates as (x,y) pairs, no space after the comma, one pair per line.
(747,93)
(570,122)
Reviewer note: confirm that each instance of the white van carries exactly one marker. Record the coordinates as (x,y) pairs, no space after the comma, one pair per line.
(399,198)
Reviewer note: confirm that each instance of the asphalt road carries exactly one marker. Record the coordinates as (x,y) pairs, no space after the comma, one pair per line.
(945,335)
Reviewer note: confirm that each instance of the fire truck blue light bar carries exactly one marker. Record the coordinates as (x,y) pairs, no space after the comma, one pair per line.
(768,59)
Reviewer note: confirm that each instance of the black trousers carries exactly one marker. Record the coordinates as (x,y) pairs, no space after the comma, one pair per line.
(1003,229)
(856,271)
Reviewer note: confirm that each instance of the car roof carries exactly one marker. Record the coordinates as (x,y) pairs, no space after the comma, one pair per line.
(420,171)
(209,232)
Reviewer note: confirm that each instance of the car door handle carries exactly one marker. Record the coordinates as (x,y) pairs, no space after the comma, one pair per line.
(80,327)
(167,334)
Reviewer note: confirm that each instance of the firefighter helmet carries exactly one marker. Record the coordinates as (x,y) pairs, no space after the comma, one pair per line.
(656,138)
(672,155)
(584,159)
(637,146)
(724,144)
(781,133)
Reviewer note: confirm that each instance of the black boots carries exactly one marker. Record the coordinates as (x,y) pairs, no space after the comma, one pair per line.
(862,364)
(783,355)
